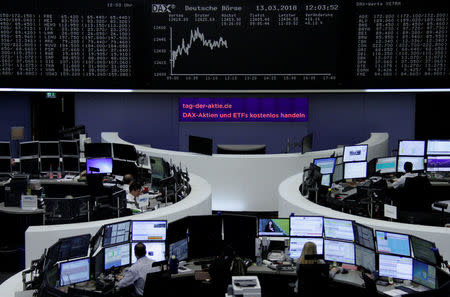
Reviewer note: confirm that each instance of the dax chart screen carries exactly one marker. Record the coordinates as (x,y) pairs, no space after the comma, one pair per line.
(233,41)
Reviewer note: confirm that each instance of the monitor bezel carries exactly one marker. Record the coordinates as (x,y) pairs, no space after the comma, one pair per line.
(49,142)
(10,165)
(436,283)
(98,173)
(169,244)
(290,225)
(422,260)
(308,237)
(29,142)
(339,239)
(426,152)
(49,157)
(149,242)
(131,230)
(424,148)
(264,235)
(398,256)
(70,261)
(373,236)
(113,246)
(31,158)
(374,253)
(417,171)
(103,233)
(70,171)
(345,164)
(10,152)
(434,156)
(99,143)
(389,253)
(392,157)
(343,153)
(69,141)
(339,180)
(343,241)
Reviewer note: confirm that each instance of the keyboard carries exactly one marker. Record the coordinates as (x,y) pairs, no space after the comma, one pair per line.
(406,289)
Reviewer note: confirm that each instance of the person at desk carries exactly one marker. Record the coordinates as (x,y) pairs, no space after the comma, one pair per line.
(133,196)
(408,167)
(128,179)
(310,249)
(137,273)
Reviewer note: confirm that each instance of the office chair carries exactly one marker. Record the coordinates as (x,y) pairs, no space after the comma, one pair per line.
(157,284)
(370,286)
(313,280)
(414,196)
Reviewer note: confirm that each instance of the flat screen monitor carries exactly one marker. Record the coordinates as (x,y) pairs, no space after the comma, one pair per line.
(326,180)
(116,233)
(305,226)
(149,230)
(339,251)
(117,256)
(424,274)
(97,150)
(438,147)
(338,174)
(49,148)
(364,236)
(124,152)
(179,249)
(200,145)
(365,258)
(73,247)
(29,166)
(296,245)
(99,166)
(5,165)
(122,167)
(50,164)
(438,163)
(157,166)
(338,229)
(273,227)
(386,165)
(71,164)
(393,243)
(156,251)
(355,153)
(5,149)
(69,147)
(307,143)
(417,162)
(29,149)
(423,250)
(395,267)
(411,148)
(355,170)
(73,272)
(326,165)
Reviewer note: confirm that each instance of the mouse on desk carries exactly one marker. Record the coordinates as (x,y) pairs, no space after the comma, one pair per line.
(344,271)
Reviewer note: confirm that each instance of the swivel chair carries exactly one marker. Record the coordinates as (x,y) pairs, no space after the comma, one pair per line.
(313,280)
(157,284)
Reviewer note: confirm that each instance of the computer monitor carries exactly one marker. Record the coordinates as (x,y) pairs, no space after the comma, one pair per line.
(69,147)
(156,251)
(307,143)
(98,150)
(364,236)
(73,247)
(411,148)
(417,162)
(124,151)
(338,174)
(438,147)
(71,164)
(157,166)
(201,145)
(73,272)
(326,180)
(30,165)
(326,165)
(99,166)
(50,164)
(386,165)
(29,149)
(338,229)
(438,163)
(393,243)
(5,149)
(355,170)
(5,165)
(117,256)
(273,227)
(49,148)
(116,233)
(365,258)
(424,274)
(123,167)
(339,251)
(306,226)
(179,249)
(149,230)
(355,153)
(395,266)
(296,245)
(424,250)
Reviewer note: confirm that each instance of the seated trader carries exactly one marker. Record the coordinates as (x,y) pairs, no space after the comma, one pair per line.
(309,249)
(408,167)
(133,196)
(137,273)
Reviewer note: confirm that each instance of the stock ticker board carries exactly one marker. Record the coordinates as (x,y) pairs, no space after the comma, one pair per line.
(224,45)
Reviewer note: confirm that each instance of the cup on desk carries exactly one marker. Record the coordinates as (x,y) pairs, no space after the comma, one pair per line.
(145,189)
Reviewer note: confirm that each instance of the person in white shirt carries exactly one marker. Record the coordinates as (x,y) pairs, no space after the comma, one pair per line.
(408,167)
(133,196)
(137,273)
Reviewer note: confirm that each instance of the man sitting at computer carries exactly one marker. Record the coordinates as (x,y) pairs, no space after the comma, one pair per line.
(408,167)
(133,196)
(137,273)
